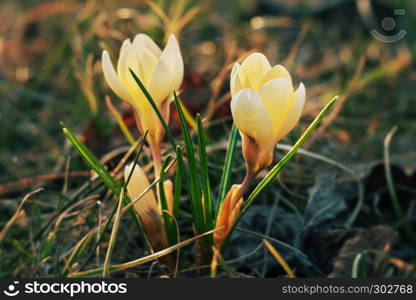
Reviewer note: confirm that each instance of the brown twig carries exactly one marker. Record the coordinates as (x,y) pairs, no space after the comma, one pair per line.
(26,182)
(66,177)
(16,214)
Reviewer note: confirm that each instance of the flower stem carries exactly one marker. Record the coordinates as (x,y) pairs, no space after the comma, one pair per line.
(157,163)
(154,144)
(245,184)
(156,155)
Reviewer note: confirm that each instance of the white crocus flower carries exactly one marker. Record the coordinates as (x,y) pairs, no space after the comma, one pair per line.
(264,106)
(160,72)
(146,207)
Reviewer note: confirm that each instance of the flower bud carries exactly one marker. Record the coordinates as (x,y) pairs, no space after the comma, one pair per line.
(146,207)
(228,214)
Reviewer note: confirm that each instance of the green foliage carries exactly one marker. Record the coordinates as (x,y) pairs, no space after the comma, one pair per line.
(170,227)
(191,170)
(206,187)
(94,163)
(227,169)
(199,192)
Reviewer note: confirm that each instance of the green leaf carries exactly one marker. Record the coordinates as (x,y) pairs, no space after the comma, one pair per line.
(94,163)
(228,166)
(77,252)
(205,174)
(169,226)
(192,180)
(188,116)
(178,182)
(155,108)
(136,159)
(279,166)
(48,246)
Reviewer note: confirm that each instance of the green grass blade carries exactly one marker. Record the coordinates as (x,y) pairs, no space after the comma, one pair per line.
(169,226)
(193,181)
(114,233)
(279,166)
(155,108)
(49,246)
(228,166)
(188,117)
(136,159)
(77,252)
(94,163)
(202,145)
(178,182)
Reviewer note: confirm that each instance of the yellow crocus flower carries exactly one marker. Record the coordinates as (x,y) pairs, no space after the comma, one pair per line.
(264,106)
(160,72)
(146,207)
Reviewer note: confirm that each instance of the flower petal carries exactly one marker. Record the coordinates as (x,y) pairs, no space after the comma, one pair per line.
(122,60)
(112,78)
(172,58)
(276,72)
(142,40)
(129,60)
(236,82)
(178,71)
(171,52)
(124,46)
(295,113)
(250,116)
(277,96)
(149,120)
(162,82)
(254,68)
(147,65)
(137,185)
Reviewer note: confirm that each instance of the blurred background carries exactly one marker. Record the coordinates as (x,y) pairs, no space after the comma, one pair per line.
(363,50)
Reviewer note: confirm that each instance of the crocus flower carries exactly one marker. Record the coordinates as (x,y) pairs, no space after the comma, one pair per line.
(228,214)
(160,72)
(146,207)
(264,106)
